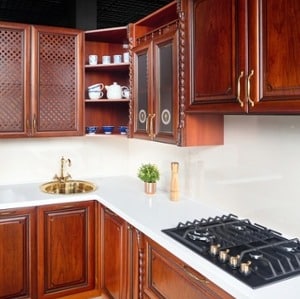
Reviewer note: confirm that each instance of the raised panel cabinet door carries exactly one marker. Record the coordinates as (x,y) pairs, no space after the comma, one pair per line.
(168,277)
(14,78)
(66,246)
(215,54)
(57,87)
(114,256)
(275,84)
(17,253)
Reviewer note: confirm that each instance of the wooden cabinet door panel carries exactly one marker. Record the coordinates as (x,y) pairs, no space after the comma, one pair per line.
(165,86)
(14,79)
(168,277)
(66,243)
(274,42)
(57,81)
(114,255)
(17,250)
(217,54)
(142,89)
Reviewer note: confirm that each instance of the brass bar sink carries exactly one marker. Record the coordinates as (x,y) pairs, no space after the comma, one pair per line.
(68,187)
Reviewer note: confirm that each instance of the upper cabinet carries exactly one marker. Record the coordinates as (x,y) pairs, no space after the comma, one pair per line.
(109,105)
(157,87)
(57,74)
(241,55)
(41,78)
(14,78)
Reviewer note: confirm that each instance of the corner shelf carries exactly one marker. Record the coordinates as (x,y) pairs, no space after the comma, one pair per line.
(108,41)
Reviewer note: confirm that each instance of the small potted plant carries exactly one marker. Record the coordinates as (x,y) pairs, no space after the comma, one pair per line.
(149,174)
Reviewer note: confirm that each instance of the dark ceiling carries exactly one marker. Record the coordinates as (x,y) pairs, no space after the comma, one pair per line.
(110,13)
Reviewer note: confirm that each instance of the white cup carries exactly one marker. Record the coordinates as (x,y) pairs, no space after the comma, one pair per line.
(117,58)
(126,57)
(95,95)
(106,59)
(93,59)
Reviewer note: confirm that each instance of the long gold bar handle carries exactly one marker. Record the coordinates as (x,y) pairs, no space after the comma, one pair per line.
(28,124)
(239,89)
(34,123)
(194,276)
(147,124)
(248,88)
(152,135)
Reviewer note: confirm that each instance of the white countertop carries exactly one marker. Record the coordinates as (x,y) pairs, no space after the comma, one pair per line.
(150,214)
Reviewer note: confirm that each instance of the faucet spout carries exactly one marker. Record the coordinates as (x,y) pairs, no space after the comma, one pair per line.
(64,176)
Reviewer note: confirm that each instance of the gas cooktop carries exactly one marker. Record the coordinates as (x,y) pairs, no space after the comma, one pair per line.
(250,252)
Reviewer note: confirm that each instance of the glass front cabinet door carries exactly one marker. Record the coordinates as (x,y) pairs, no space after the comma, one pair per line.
(156,96)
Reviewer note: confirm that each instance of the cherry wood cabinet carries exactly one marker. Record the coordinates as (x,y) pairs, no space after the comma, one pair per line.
(155,76)
(14,79)
(159,109)
(106,42)
(57,74)
(168,277)
(121,276)
(17,253)
(41,79)
(240,56)
(114,258)
(155,87)
(66,249)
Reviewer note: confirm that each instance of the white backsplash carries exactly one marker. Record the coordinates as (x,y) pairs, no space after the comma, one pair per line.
(255,174)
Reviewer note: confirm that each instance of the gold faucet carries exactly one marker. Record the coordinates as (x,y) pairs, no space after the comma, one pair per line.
(63,163)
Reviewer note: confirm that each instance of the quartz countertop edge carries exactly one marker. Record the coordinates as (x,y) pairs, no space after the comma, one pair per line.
(125,196)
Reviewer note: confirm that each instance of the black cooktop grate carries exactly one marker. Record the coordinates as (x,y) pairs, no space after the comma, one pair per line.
(270,256)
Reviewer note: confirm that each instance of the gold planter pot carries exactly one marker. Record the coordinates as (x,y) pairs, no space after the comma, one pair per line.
(150,188)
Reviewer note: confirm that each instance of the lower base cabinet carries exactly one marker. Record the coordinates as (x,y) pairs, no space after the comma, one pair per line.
(168,277)
(52,251)
(17,253)
(120,276)
(66,249)
(113,255)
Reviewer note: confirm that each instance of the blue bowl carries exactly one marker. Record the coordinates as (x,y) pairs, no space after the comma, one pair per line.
(107,129)
(123,130)
(91,129)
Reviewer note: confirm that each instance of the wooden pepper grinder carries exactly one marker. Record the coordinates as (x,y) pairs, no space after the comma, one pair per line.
(174,190)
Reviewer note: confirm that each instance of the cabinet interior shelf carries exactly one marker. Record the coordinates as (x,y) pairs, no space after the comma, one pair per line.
(111,66)
(107,100)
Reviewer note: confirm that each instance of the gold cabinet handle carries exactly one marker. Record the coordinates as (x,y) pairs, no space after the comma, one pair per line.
(194,276)
(34,123)
(152,135)
(147,124)
(249,89)
(7,213)
(239,88)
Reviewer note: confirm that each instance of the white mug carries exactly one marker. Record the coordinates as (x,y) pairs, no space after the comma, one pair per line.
(126,57)
(105,59)
(95,95)
(93,59)
(117,58)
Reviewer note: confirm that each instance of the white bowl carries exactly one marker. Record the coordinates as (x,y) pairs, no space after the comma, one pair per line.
(95,87)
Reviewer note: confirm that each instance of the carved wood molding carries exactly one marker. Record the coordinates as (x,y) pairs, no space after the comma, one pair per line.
(181,70)
(141,264)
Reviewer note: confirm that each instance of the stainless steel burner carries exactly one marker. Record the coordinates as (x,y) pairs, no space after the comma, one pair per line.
(200,235)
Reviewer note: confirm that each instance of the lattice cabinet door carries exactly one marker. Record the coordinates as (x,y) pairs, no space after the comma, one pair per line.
(14,79)
(57,86)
